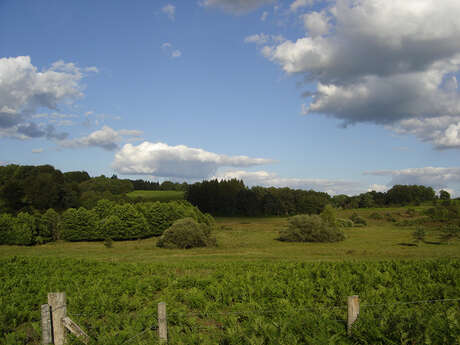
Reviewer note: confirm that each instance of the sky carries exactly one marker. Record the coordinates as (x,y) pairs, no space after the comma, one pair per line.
(341,96)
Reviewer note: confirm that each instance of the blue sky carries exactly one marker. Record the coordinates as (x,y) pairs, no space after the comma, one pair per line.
(339,96)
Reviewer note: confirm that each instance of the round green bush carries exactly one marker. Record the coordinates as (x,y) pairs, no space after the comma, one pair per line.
(310,228)
(344,223)
(357,219)
(186,233)
(376,216)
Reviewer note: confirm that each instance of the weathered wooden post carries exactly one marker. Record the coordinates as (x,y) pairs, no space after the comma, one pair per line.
(57,302)
(162,324)
(47,337)
(353,311)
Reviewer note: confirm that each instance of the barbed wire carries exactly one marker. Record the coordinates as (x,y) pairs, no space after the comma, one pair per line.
(151,328)
(411,302)
(273,310)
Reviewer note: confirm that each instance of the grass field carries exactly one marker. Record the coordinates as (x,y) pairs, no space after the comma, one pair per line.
(156,195)
(254,239)
(250,289)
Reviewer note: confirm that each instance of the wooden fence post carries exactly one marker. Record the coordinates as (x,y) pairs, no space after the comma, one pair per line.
(162,324)
(353,311)
(57,302)
(47,337)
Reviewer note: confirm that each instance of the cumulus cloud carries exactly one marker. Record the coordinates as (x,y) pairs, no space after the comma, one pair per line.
(268,179)
(442,131)
(24,89)
(170,11)
(40,150)
(106,138)
(235,6)
(436,177)
(180,161)
(316,23)
(381,62)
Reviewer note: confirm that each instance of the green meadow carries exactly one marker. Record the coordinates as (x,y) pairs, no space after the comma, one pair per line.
(254,239)
(156,195)
(250,289)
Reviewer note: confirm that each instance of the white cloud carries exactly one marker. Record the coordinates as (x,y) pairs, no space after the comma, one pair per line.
(267,179)
(262,38)
(170,11)
(24,89)
(264,16)
(436,177)
(235,6)
(180,161)
(442,131)
(40,150)
(377,187)
(316,23)
(106,138)
(299,4)
(381,62)
(257,38)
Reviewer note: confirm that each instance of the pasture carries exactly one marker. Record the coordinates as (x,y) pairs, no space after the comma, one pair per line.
(156,195)
(254,239)
(250,289)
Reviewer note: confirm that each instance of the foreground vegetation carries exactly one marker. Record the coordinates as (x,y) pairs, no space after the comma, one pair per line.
(250,289)
(237,303)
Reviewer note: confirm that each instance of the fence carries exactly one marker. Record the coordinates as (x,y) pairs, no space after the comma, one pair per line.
(56,324)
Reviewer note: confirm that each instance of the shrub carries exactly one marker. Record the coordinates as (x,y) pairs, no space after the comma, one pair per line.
(376,216)
(310,228)
(161,215)
(186,233)
(24,229)
(450,232)
(6,228)
(344,223)
(79,225)
(328,215)
(411,212)
(419,234)
(108,243)
(133,223)
(356,219)
(111,227)
(48,228)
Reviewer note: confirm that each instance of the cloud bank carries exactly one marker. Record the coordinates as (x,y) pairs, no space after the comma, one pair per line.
(162,160)
(393,63)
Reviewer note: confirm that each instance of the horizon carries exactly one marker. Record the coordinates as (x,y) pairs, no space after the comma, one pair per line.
(335,96)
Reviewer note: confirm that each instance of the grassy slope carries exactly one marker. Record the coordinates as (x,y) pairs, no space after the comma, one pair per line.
(253,239)
(156,195)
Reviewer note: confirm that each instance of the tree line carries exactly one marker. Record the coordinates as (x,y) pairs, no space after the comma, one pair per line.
(107,220)
(27,188)
(233,198)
